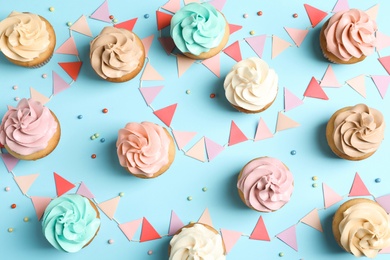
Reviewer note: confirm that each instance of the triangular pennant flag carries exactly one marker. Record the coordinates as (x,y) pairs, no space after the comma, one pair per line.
(218,4)
(382,83)
(385,61)
(84,191)
(257,43)
(315,15)
(233,51)
(150,73)
(284,122)
(58,83)
(62,185)
(358,187)
(167,43)
(40,204)
(330,196)
(262,131)
(37,96)
(182,138)
(230,238)
(129,228)
(197,151)
(72,68)
(314,90)
(9,161)
(183,64)
(212,148)
(260,231)
(147,42)
(341,5)
(213,64)
(313,219)
(81,26)
(172,6)
(384,201)
(102,13)
(358,84)
(289,236)
(148,232)
(278,46)
(206,218)
(166,114)
(373,11)
(382,41)
(329,79)
(68,47)
(236,135)
(150,93)
(128,25)
(297,35)
(163,20)
(109,206)
(385,251)
(290,100)
(25,182)
(234,28)
(175,224)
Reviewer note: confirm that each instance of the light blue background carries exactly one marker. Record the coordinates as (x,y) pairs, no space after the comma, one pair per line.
(154,199)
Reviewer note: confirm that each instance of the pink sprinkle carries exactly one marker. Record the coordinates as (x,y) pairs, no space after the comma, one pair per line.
(44,76)
(245,15)
(7,189)
(15,87)
(16,98)
(150,252)
(111,241)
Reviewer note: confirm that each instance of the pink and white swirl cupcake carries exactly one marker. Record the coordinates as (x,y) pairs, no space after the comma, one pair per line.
(348,37)
(265,184)
(146,150)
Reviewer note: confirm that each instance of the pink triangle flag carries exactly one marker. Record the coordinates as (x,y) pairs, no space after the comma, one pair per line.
(129,228)
(236,135)
(329,79)
(84,191)
(128,25)
(40,204)
(260,231)
(148,232)
(229,238)
(313,219)
(290,100)
(314,90)
(218,4)
(102,13)
(62,185)
(9,161)
(341,5)
(206,218)
(278,46)
(150,73)
(109,206)
(182,138)
(289,236)
(58,83)
(25,182)
(262,131)
(212,148)
(382,83)
(384,201)
(197,151)
(330,196)
(81,26)
(257,43)
(385,61)
(150,93)
(358,187)
(213,64)
(373,11)
(183,64)
(175,224)
(38,96)
(147,42)
(167,43)
(233,51)
(358,84)
(166,114)
(315,15)
(382,41)
(284,122)
(385,251)
(68,47)
(297,35)
(172,6)
(234,28)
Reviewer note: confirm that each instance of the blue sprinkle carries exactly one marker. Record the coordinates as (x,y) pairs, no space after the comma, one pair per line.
(80,116)
(102,140)
(146,16)
(293,152)
(378,180)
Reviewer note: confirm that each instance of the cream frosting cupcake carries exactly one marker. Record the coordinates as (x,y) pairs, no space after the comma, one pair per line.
(117,54)
(251,86)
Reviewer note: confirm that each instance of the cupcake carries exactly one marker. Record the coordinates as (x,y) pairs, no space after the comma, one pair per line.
(199,31)
(361,227)
(30,131)
(355,133)
(348,37)
(251,86)
(117,54)
(27,39)
(265,184)
(196,241)
(70,222)
(146,150)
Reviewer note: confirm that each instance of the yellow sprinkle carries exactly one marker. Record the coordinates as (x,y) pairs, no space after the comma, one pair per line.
(26,219)
(314,178)
(252,32)
(51,9)
(10,230)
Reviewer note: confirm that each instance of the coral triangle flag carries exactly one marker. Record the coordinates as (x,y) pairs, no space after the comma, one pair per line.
(84,191)
(212,148)
(278,46)
(166,114)
(257,43)
(213,64)
(329,79)
(385,61)
(68,47)
(148,232)
(172,6)
(40,204)
(315,15)
(260,231)
(234,28)
(102,13)
(62,185)
(183,64)
(147,42)
(72,68)
(175,224)
(230,238)
(81,26)
(37,96)
(150,93)
(206,218)
(330,196)
(384,201)
(373,11)
(233,51)
(150,73)
(58,83)
(382,41)
(163,20)
(236,135)
(289,236)
(9,161)
(197,151)
(284,122)
(182,138)
(382,83)
(128,25)
(167,43)
(25,182)
(218,4)
(109,206)
(314,90)
(129,228)
(358,84)
(313,219)
(290,100)
(262,131)
(297,35)
(358,188)
(341,5)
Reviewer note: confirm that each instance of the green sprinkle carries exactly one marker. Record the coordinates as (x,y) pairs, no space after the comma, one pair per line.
(188,91)
(93,137)
(115,20)
(69,24)
(96,135)
(314,185)
(281,254)
(204,189)
(121,194)
(189,198)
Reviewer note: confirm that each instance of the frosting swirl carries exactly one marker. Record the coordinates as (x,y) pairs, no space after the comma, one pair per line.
(27,128)
(365,229)
(23,36)
(350,34)
(358,131)
(143,148)
(196,243)
(115,53)
(266,184)
(70,222)
(197,28)
(251,84)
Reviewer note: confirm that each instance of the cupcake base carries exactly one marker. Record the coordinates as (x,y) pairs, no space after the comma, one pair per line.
(240,109)
(97,216)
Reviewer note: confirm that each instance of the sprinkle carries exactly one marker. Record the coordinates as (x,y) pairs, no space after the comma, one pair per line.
(96,135)
(93,137)
(102,140)
(245,15)
(295,15)
(13,206)
(69,24)
(146,16)
(188,91)
(314,185)
(7,188)
(44,76)
(93,156)
(260,13)
(105,110)
(191,222)
(150,252)
(293,152)
(115,20)
(378,180)
(10,230)
(204,189)
(212,95)
(111,17)
(26,219)
(252,32)
(16,98)
(314,178)
(51,9)
(121,194)
(80,116)
(15,87)
(111,241)
(189,198)
(281,254)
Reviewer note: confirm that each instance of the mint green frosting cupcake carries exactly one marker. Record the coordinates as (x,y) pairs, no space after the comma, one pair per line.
(70,222)
(197,28)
